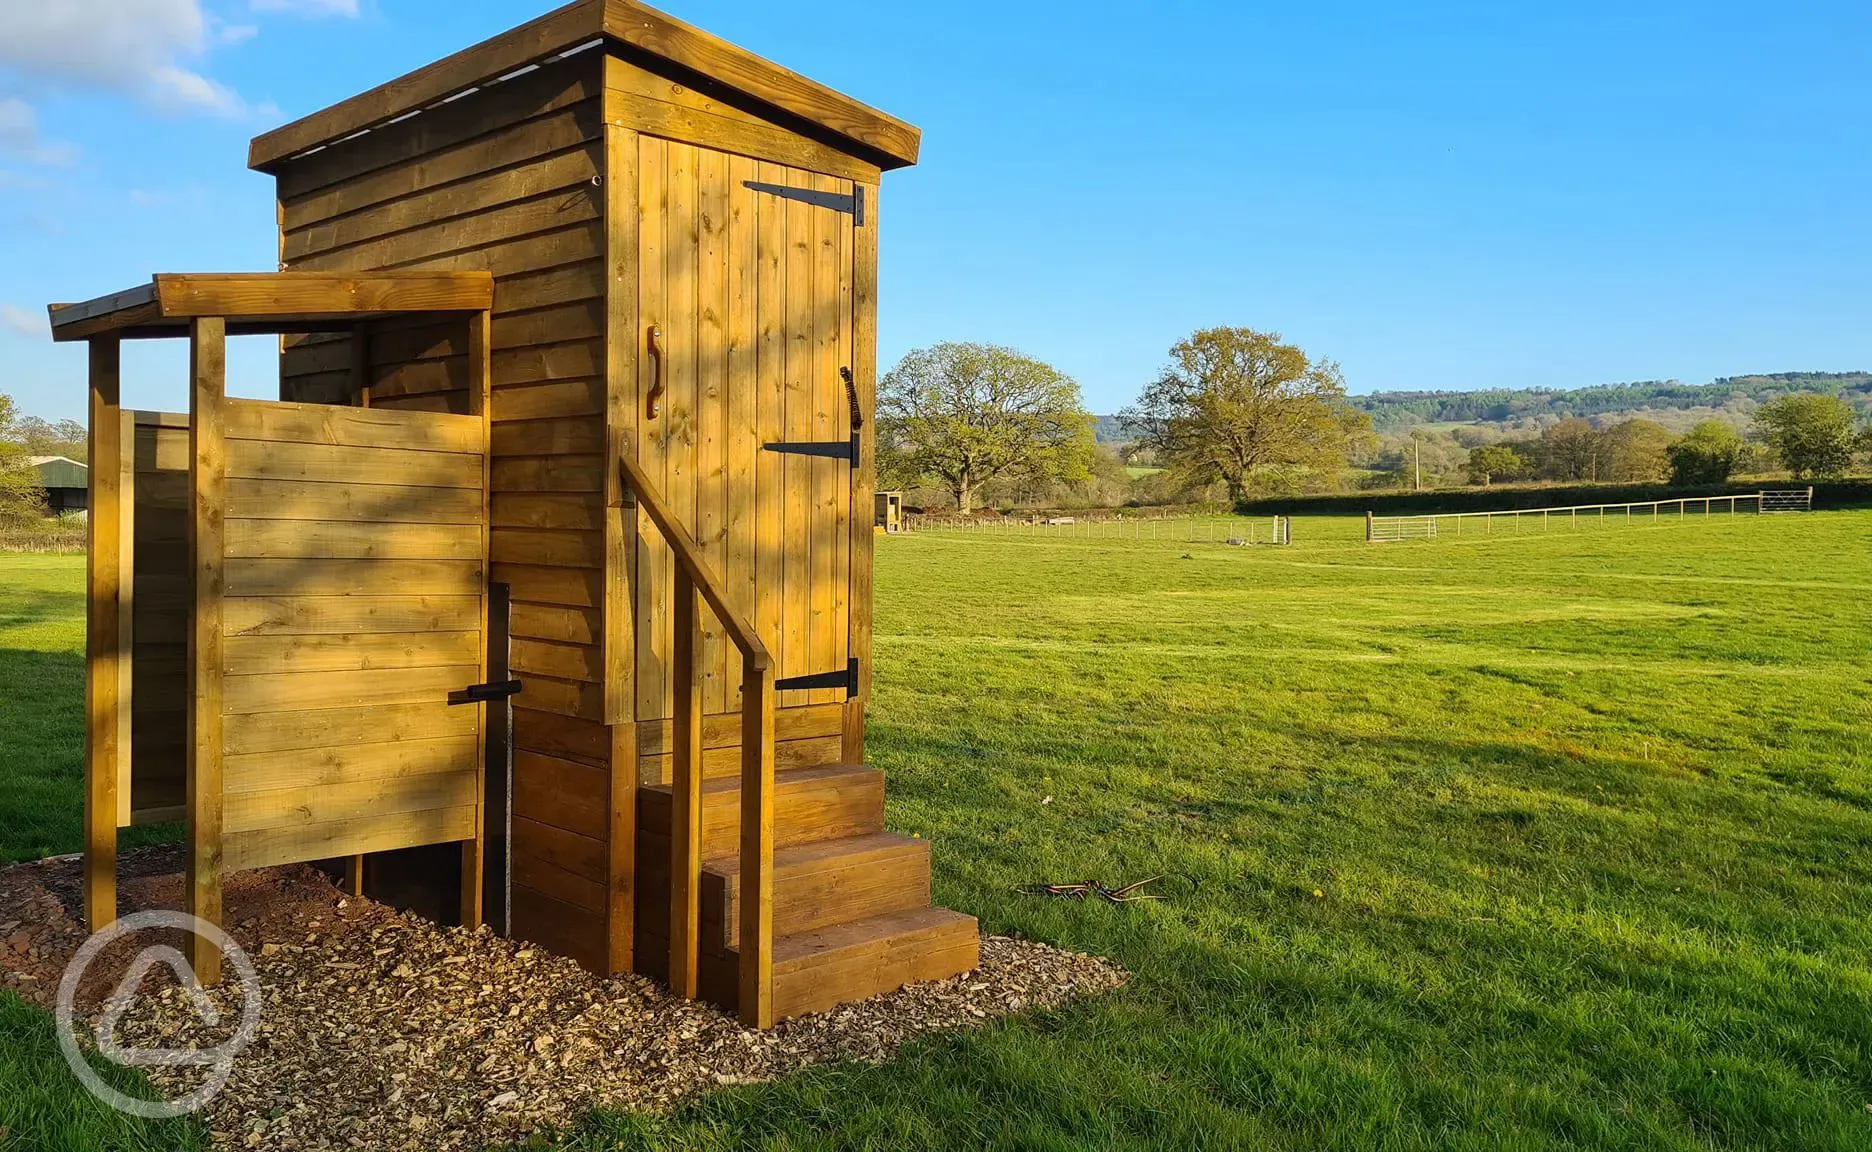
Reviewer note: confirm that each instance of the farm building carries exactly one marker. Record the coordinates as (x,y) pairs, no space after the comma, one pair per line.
(652,435)
(64,482)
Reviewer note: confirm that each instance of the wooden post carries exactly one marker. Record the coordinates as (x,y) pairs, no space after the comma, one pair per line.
(1368,526)
(480,403)
(864,471)
(685,787)
(104,652)
(757,845)
(208,483)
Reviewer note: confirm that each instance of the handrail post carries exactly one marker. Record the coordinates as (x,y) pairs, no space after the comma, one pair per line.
(757,844)
(686,790)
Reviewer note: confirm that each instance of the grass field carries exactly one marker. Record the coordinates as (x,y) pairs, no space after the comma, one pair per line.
(1549,842)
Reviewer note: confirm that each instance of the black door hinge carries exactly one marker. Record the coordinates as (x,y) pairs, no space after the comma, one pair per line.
(832,449)
(847,678)
(482,693)
(852,205)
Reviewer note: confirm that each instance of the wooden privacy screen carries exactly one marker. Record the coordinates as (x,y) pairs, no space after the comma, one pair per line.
(354,568)
(158,585)
(753,295)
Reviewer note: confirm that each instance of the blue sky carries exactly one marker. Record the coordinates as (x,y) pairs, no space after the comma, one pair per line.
(1452,195)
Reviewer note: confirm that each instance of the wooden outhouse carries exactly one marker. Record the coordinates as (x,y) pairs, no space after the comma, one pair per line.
(683,243)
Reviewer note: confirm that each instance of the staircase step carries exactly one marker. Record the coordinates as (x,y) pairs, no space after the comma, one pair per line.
(832,801)
(823,883)
(818,970)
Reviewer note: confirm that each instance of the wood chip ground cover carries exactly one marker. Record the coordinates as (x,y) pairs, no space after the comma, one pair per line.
(381,1030)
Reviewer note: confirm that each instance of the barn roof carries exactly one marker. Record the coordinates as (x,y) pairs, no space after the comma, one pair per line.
(58,471)
(867,132)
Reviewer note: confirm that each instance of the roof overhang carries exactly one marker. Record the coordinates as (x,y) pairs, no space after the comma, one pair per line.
(870,134)
(269,303)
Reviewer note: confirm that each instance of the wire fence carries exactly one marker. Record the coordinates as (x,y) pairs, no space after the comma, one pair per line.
(1520,521)
(1236,530)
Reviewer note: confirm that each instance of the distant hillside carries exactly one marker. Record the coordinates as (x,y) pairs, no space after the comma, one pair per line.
(1112,430)
(1391,410)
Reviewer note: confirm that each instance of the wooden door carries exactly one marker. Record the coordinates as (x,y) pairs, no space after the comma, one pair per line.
(746,267)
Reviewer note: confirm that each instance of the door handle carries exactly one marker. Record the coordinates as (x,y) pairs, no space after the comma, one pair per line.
(653,403)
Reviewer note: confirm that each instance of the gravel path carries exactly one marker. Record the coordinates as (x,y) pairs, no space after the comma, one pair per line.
(385,1031)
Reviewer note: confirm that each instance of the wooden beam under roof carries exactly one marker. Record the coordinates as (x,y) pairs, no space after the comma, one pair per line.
(875,136)
(270,302)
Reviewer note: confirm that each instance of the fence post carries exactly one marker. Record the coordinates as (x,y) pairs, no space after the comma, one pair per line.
(1368,526)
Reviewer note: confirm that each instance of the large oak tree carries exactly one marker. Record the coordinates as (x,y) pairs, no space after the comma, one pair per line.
(965,414)
(1235,403)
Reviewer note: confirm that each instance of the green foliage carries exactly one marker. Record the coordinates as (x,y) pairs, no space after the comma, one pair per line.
(1239,406)
(1504,405)
(968,414)
(1811,434)
(1492,462)
(1709,454)
(22,499)
(1634,452)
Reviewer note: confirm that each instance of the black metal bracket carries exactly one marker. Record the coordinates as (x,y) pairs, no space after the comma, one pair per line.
(486,693)
(853,205)
(832,449)
(846,678)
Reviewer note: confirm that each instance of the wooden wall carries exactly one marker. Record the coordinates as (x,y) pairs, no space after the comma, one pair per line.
(161,591)
(354,576)
(507,180)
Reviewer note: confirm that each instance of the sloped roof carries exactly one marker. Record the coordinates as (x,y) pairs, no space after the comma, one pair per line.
(59,471)
(868,133)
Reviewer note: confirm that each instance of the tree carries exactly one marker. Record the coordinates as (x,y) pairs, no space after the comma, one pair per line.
(1811,433)
(1707,454)
(1492,462)
(39,438)
(970,413)
(22,499)
(1235,404)
(1572,450)
(1635,452)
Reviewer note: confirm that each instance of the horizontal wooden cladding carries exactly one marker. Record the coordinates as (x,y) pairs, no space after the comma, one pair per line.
(722,762)
(503,148)
(549,176)
(549,474)
(561,696)
(575,511)
(551,88)
(327,539)
(348,616)
(582,662)
(520,400)
(350,800)
(639,99)
(723,730)
(551,880)
(295,295)
(352,427)
(356,503)
(310,746)
(546,212)
(568,738)
(554,324)
(254,655)
(556,624)
(561,928)
(562,794)
(566,587)
(325,766)
(271,846)
(271,577)
(291,691)
(267,460)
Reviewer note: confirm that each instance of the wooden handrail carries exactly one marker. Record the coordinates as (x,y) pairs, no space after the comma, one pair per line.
(696,582)
(689,555)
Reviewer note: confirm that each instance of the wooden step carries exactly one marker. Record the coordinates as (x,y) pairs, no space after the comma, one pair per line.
(821,884)
(815,971)
(830,802)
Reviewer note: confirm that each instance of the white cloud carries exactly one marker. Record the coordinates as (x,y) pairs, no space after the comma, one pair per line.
(309,7)
(142,48)
(19,135)
(23,321)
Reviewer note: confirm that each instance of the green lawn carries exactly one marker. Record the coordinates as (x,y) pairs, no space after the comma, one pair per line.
(1550,842)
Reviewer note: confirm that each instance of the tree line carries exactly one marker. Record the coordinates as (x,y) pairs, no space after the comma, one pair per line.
(1242,411)
(22,499)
